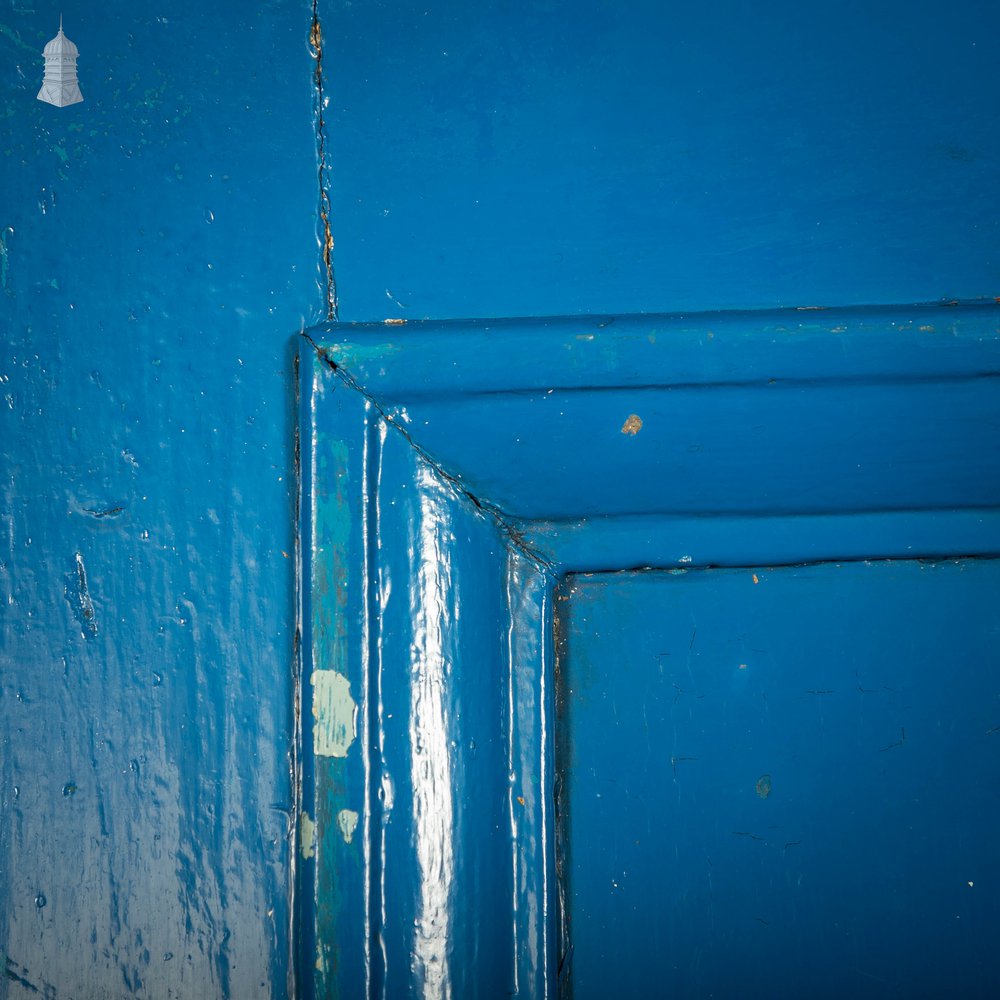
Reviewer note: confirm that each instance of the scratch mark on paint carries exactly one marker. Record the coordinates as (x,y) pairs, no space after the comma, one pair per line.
(334,712)
(347,820)
(104,512)
(307,836)
(898,743)
(632,425)
(17,974)
(78,595)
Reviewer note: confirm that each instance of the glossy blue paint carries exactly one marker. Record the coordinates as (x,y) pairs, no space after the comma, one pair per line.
(491,160)
(774,414)
(439,632)
(764,440)
(158,251)
(162,770)
(782,780)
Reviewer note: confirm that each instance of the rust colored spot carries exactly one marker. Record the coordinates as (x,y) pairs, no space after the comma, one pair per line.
(756,579)
(394,322)
(520,799)
(763,786)
(632,425)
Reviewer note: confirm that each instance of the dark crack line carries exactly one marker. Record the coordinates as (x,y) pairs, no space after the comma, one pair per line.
(514,536)
(316,44)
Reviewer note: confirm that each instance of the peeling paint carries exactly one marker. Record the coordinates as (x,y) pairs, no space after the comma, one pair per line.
(307,836)
(632,425)
(347,820)
(334,714)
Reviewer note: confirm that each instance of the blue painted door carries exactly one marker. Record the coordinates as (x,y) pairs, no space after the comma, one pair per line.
(214,785)
(735,212)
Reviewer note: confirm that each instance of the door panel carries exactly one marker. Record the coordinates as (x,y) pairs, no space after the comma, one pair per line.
(781,781)
(771,782)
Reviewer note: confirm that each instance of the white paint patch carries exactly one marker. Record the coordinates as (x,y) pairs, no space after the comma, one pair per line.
(307,836)
(334,714)
(347,820)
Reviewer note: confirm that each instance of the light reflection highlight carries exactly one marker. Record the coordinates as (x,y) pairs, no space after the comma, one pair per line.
(431,768)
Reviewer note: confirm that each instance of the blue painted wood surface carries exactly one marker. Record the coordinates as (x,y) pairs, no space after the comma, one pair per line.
(765,439)
(491,160)
(426,794)
(782,781)
(158,252)
(159,245)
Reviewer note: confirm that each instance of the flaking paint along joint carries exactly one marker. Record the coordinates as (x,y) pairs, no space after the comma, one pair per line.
(334,714)
(307,836)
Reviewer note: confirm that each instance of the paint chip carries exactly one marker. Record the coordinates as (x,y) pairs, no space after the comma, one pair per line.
(334,714)
(307,836)
(347,820)
(632,425)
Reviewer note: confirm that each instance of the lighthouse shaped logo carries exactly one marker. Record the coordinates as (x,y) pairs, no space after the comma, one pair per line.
(60,87)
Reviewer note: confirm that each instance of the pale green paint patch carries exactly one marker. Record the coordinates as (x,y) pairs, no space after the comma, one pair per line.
(334,714)
(347,820)
(18,40)
(307,836)
(355,354)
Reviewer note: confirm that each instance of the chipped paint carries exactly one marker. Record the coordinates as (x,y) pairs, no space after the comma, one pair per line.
(307,836)
(347,821)
(632,425)
(334,714)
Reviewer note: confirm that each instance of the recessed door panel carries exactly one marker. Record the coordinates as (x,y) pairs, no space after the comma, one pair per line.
(781,782)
